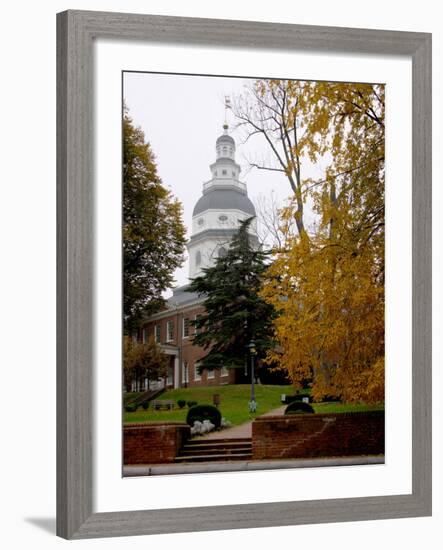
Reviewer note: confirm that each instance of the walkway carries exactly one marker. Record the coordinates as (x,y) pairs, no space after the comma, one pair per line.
(238,466)
(244,430)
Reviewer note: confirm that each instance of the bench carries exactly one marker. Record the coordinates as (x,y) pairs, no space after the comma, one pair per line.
(159,404)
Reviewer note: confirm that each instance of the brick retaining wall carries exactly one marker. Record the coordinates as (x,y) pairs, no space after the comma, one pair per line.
(153,443)
(318,435)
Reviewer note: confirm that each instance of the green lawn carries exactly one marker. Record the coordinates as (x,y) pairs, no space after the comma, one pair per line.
(346,407)
(234,403)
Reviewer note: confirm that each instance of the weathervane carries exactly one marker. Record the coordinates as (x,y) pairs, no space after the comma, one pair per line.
(227,106)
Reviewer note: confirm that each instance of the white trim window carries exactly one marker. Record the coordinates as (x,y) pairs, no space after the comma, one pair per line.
(185,327)
(197,375)
(210,374)
(157,334)
(169,331)
(145,335)
(224,371)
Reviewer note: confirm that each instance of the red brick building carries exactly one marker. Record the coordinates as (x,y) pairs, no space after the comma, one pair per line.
(215,219)
(172,330)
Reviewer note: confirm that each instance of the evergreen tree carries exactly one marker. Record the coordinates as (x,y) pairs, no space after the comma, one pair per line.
(153,230)
(235,313)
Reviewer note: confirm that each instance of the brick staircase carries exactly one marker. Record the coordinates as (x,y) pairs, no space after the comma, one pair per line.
(215,450)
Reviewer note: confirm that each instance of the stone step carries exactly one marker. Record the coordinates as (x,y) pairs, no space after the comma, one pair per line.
(218,457)
(214,451)
(218,445)
(202,442)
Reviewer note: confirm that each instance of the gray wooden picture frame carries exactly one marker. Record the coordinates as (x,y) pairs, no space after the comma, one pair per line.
(76,32)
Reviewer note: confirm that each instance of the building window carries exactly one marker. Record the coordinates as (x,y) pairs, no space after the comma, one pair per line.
(224,371)
(185,372)
(224,172)
(169,331)
(197,375)
(157,334)
(144,335)
(185,327)
(201,221)
(198,258)
(223,218)
(222,252)
(211,374)
(225,150)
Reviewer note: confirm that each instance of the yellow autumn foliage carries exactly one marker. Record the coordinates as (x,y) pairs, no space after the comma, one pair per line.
(328,284)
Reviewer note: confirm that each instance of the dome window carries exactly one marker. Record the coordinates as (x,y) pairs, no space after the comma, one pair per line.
(198,258)
(223,218)
(201,221)
(224,172)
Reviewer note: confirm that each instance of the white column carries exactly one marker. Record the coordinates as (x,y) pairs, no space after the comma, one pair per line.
(176,372)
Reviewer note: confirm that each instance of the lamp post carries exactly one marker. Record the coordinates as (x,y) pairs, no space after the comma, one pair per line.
(252,352)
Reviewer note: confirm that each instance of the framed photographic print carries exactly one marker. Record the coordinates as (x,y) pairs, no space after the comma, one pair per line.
(244,274)
(218,369)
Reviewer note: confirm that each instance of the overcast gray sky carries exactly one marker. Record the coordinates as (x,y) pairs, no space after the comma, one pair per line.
(182,116)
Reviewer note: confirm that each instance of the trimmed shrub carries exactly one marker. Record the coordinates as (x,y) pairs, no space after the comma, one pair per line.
(131,407)
(181,403)
(191,403)
(298,407)
(145,405)
(298,397)
(201,413)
